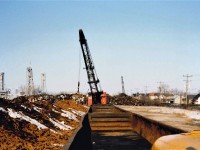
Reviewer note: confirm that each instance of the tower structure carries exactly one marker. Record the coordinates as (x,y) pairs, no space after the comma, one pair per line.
(2,88)
(122,81)
(30,84)
(43,83)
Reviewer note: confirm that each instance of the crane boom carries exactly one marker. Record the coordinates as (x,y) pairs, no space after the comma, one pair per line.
(93,80)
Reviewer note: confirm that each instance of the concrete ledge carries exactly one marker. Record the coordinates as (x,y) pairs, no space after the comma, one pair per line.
(151,130)
(81,138)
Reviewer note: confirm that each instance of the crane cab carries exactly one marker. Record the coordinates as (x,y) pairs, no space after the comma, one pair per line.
(94,99)
(104,98)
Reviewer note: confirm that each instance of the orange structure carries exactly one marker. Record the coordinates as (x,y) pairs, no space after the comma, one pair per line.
(104,98)
(89,102)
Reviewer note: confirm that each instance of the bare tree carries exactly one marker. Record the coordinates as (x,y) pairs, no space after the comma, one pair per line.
(163,88)
(176,91)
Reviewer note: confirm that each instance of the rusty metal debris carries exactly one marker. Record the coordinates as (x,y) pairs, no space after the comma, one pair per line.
(123,99)
(38,122)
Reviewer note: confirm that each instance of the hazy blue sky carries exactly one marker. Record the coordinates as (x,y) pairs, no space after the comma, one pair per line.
(146,42)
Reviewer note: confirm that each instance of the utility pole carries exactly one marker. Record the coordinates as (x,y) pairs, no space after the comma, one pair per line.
(43,83)
(160,86)
(160,89)
(187,86)
(122,81)
(146,87)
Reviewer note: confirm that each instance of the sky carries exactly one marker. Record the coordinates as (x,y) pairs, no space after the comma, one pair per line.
(144,41)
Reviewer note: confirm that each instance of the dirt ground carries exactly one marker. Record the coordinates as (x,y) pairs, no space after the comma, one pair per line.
(38,122)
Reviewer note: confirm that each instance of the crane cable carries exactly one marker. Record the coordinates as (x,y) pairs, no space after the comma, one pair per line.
(79,70)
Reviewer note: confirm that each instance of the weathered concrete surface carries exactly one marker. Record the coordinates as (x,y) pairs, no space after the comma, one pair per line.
(178,118)
(154,122)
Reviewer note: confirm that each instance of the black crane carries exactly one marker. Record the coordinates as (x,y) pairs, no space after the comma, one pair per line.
(93,80)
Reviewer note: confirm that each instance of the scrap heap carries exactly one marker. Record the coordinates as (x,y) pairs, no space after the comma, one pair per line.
(123,99)
(41,122)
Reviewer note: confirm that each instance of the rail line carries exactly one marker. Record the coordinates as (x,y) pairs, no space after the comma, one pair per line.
(112,128)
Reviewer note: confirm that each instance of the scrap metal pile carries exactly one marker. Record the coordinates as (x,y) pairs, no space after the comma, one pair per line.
(42,122)
(123,99)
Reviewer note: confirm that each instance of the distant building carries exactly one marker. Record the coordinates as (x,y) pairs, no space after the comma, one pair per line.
(153,96)
(2,94)
(189,97)
(196,99)
(163,97)
(178,99)
(5,94)
(167,98)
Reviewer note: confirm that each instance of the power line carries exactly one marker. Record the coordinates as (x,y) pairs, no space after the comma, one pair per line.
(79,71)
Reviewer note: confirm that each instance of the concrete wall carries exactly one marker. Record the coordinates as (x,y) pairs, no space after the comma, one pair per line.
(150,129)
(81,137)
